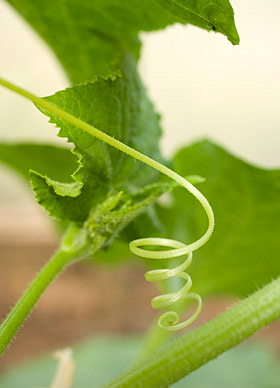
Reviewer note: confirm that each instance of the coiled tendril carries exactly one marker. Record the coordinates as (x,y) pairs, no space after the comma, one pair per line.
(169,320)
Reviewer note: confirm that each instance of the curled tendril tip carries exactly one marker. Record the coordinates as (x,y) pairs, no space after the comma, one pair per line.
(170,319)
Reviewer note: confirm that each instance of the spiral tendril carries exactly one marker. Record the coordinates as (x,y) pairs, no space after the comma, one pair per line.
(169,320)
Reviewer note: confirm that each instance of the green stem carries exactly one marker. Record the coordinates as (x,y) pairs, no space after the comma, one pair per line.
(154,339)
(188,353)
(25,304)
(65,254)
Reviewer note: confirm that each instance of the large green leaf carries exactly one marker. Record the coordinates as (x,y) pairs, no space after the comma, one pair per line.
(244,251)
(100,360)
(56,162)
(120,107)
(88,35)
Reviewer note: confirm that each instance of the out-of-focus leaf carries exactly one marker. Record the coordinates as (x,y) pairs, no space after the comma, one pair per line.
(88,36)
(56,162)
(244,251)
(99,361)
(247,366)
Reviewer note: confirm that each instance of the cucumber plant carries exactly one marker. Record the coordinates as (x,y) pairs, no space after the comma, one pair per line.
(118,173)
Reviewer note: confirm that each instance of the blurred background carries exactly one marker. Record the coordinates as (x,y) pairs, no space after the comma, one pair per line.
(202,86)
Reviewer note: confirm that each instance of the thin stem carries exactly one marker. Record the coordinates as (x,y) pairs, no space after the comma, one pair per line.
(25,304)
(52,108)
(154,339)
(188,353)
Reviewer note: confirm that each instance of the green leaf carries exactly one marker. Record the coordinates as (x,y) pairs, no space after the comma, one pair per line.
(260,366)
(56,162)
(243,252)
(251,365)
(64,201)
(120,107)
(78,30)
(214,15)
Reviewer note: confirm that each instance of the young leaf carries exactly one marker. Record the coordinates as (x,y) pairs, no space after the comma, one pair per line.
(243,252)
(105,213)
(78,30)
(108,218)
(66,201)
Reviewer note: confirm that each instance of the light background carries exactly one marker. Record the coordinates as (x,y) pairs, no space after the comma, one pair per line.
(201,84)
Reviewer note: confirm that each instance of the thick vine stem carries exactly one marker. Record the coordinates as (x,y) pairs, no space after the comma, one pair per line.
(188,353)
(72,246)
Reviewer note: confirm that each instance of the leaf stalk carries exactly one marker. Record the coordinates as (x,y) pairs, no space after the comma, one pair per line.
(72,246)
